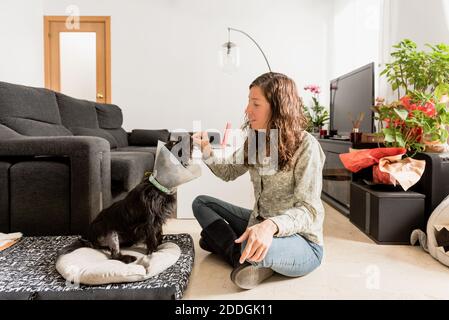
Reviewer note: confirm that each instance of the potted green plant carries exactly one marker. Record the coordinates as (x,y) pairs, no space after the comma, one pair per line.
(417,120)
(317,115)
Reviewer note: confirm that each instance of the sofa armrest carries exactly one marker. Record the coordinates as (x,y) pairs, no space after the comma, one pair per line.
(90,171)
(149,138)
(52,146)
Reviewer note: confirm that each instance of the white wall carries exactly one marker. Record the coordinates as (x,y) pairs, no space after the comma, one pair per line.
(21,48)
(164,52)
(354,35)
(165,70)
(421,21)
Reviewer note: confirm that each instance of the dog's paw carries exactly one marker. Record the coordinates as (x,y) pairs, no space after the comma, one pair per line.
(127,259)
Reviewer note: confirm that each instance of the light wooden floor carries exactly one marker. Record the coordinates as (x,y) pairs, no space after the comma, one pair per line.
(354,267)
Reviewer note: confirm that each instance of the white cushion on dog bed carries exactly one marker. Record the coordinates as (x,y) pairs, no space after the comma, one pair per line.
(94,267)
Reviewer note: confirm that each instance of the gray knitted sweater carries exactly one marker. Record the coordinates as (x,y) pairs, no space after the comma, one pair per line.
(291,199)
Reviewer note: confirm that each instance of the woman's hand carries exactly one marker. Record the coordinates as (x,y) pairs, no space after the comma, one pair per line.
(259,238)
(201,139)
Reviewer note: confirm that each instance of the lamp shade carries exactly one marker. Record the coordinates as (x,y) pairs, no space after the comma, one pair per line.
(229,57)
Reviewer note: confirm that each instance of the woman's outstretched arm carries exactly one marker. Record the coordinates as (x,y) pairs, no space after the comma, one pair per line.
(226,169)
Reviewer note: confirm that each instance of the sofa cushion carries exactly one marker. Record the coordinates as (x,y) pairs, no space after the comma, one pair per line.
(109,116)
(30,127)
(29,103)
(130,167)
(138,149)
(76,112)
(120,135)
(79,131)
(8,133)
(148,138)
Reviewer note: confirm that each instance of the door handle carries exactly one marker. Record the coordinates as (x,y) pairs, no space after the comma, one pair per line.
(100,96)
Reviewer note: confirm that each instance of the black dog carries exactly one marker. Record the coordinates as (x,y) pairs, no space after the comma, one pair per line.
(139,217)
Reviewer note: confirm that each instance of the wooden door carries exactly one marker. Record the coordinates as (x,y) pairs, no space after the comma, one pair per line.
(60,35)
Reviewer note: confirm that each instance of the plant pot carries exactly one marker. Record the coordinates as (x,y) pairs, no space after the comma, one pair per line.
(436,146)
(316,130)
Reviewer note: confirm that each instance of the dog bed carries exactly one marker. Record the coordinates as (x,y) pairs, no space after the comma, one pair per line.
(94,267)
(28,271)
(437,226)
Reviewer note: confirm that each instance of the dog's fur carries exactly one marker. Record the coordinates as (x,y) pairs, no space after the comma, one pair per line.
(139,217)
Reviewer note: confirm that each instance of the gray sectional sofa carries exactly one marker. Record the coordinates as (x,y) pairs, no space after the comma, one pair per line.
(63,159)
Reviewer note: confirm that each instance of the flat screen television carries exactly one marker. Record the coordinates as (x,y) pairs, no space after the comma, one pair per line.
(350,95)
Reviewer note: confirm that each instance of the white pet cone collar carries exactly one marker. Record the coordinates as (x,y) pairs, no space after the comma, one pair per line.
(168,170)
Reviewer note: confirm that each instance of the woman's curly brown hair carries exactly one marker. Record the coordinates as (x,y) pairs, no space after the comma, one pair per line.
(287,115)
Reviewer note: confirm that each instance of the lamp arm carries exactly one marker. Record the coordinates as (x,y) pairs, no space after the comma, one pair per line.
(265,57)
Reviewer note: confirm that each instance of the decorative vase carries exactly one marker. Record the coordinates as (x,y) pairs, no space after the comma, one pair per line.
(323,133)
(356,136)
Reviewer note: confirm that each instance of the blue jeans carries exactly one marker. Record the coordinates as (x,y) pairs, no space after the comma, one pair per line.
(292,256)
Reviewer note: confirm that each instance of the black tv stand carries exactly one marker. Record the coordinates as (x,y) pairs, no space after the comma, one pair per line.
(338,139)
(336,178)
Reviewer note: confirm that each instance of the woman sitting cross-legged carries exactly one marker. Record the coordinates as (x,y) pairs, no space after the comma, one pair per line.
(283,233)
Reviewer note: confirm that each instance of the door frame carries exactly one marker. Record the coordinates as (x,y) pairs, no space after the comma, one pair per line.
(106,20)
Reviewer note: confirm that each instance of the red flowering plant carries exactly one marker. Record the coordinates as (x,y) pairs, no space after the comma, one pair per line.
(420,116)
